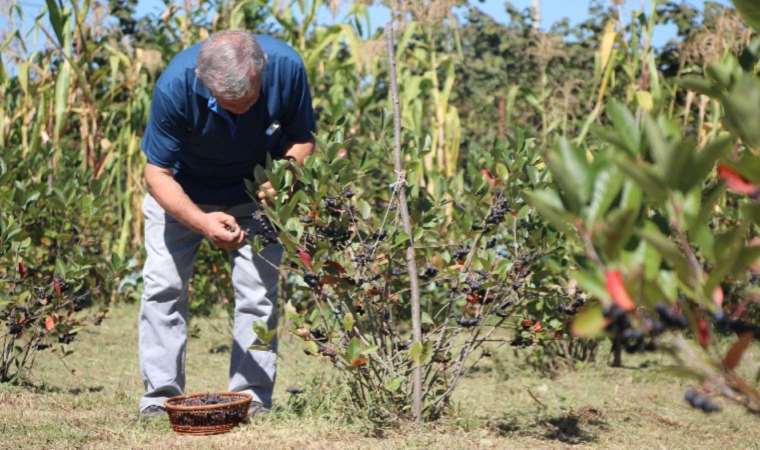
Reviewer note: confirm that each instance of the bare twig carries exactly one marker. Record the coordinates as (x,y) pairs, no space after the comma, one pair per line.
(404,209)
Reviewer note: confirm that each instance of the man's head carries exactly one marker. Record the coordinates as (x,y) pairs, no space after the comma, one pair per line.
(230,64)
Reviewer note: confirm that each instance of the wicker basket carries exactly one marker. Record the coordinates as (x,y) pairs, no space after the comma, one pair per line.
(208,419)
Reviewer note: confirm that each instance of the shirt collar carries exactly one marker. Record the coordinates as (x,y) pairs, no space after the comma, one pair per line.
(200,88)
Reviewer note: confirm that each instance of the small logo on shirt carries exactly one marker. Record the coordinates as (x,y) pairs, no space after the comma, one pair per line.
(273,128)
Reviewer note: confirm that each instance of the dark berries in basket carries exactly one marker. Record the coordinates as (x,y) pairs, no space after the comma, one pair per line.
(263,227)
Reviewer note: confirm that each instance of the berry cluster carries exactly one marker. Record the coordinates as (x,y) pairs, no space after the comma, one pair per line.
(727,325)
(460,253)
(699,401)
(622,331)
(499,209)
(311,280)
(263,227)
(211,399)
(573,307)
(467,323)
(429,273)
(521,341)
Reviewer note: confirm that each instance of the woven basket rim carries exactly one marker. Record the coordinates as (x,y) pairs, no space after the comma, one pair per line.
(243,398)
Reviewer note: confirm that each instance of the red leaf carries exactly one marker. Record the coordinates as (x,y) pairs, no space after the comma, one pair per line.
(735,181)
(489,177)
(22,269)
(57,286)
(329,279)
(537,327)
(734,354)
(473,298)
(703,332)
(335,266)
(305,258)
(527,323)
(616,288)
(359,361)
(49,323)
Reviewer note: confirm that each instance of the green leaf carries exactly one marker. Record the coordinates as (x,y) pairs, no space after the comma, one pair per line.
(750,12)
(364,209)
(606,188)
(589,322)
(669,251)
(549,205)
(348,322)
(264,336)
(659,147)
(394,384)
(592,283)
(612,234)
(421,353)
(703,162)
(700,86)
(625,125)
(56,19)
(751,212)
(644,177)
(311,347)
(569,168)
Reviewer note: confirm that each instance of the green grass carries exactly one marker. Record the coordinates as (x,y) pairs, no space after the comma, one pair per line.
(91,400)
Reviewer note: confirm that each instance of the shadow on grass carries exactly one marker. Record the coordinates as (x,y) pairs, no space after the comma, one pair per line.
(48,389)
(575,427)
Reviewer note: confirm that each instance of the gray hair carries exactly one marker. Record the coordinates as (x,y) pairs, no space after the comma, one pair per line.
(227,63)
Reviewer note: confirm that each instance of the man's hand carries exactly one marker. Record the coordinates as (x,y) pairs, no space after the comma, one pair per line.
(266,193)
(223,231)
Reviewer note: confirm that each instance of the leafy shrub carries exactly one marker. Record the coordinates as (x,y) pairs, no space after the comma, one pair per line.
(52,259)
(664,227)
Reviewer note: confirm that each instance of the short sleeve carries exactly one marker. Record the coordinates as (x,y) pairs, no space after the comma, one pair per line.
(298,124)
(165,132)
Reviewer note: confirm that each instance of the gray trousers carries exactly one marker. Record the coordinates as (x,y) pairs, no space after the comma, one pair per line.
(171,249)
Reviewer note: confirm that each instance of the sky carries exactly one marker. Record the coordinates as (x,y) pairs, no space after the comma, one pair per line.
(552,11)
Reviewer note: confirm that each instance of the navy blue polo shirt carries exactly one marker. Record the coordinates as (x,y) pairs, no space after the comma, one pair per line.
(210,150)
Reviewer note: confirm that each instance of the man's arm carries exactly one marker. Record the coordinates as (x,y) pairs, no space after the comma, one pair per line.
(222,229)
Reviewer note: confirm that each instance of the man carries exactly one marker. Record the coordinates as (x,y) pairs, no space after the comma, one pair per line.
(218,109)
